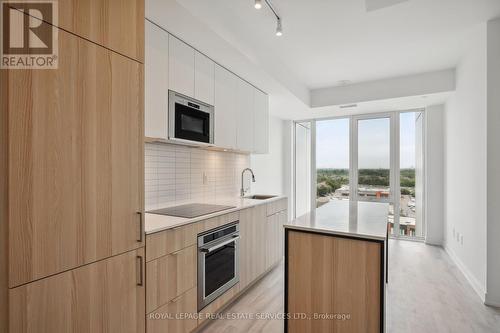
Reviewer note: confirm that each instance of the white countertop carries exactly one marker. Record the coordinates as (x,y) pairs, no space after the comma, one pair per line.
(154,222)
(348,218)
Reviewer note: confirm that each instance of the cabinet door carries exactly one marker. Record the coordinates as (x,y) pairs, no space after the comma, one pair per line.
(204,78)
(245,116)
(261,123)
(253,229)
(76,155)
(156,82)
(106,296)
(274,243)
(225,108)
(181,67)
(115,24)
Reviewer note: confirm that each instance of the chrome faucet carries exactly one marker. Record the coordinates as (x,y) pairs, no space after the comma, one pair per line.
(243,191)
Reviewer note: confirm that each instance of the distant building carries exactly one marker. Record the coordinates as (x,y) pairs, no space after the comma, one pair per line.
(364,191)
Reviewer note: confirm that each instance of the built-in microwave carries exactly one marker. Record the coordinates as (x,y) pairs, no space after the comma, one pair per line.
(189,119)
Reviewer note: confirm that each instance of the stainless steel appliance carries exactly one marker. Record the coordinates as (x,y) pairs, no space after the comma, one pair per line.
(190,121)
(190,210)
(218,263)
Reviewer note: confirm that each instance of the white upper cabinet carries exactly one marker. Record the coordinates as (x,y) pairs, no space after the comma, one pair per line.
(156,82)
(225,108)
(181,67)
(204,78)
(241,110)
(261,123)
(245,118)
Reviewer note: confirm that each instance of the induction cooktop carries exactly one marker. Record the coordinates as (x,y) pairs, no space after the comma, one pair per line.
(190,210)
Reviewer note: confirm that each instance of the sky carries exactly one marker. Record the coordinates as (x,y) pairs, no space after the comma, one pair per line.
(332,143)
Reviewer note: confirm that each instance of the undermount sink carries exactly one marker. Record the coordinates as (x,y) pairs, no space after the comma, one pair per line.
(260,197)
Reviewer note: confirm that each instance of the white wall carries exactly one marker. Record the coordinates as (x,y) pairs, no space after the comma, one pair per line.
(272,170)
(465,164)
(493,102)
(434,180)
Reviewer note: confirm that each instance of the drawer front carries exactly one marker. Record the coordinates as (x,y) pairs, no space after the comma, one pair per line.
(277,206)
(169,241)
(177,316)
(218,221)
(169,277)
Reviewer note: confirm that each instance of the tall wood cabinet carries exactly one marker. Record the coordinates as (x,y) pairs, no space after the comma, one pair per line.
(72,178)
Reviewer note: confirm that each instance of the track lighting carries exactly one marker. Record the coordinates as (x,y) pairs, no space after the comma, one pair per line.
(279,28)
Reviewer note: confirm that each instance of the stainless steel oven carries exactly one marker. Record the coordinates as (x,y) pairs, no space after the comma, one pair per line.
(218,262)
(190,120)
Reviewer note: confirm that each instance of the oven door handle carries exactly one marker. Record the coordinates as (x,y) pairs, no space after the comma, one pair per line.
(218,246)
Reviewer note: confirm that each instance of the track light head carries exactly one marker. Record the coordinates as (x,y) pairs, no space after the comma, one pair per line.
(279,28)
(258,4)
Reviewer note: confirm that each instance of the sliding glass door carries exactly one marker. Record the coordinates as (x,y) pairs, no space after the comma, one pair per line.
(376,157)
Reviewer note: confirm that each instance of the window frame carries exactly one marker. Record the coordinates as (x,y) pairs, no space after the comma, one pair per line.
(395,188)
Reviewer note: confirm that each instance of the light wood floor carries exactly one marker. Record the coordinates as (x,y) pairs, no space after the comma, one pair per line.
(426,293)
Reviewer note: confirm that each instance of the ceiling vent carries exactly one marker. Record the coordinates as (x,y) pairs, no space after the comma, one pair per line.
(347,106)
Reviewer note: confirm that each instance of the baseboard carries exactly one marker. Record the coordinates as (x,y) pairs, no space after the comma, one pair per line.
(468,275)
(491,302)
(436,242)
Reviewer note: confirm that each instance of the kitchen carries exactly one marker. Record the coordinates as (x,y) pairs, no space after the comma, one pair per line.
(185,166)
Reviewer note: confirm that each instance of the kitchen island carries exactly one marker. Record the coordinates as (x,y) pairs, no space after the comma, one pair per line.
(335,268)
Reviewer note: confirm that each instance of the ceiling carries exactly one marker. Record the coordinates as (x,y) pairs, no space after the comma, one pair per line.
(326,42)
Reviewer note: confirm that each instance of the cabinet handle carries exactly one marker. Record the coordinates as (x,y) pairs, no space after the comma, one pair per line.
(140,278)
(139,239)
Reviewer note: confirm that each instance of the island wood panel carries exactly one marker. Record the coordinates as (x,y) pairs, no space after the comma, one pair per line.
(333,275)
(115,24)
(99,297)
(177,316)
(253,239)
(170,276)
(76,156)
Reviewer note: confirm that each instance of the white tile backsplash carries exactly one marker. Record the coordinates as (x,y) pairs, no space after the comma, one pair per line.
(176,173)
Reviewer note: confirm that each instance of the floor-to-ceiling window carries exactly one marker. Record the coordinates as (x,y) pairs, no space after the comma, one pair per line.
(332,160)
(376,157)
(411,174)
(302,168)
